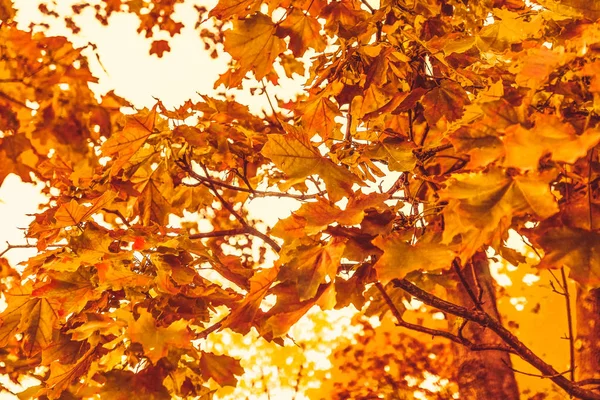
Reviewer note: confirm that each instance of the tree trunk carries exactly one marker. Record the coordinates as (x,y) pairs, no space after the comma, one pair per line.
(587,345)
(482,375)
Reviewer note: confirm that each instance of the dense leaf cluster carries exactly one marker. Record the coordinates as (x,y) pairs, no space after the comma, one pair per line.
(427,131)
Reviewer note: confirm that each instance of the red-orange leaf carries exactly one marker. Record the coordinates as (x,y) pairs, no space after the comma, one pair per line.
(446,100)
(159,47)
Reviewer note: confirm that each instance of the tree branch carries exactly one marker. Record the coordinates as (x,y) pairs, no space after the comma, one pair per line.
(435,332)
(511,340)
(249,229)
(207,181)
(24,246)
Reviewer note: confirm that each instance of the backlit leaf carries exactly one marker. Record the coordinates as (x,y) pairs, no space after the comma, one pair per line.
(296,156)
(157,340)
(223,369)
(253,44)
(399,257)
(304,32)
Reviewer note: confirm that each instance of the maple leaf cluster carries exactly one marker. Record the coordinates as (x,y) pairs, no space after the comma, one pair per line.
(427,132)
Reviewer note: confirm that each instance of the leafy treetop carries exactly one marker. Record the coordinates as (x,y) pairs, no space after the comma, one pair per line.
(487,113)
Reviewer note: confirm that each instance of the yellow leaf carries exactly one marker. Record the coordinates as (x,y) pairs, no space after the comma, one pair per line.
(304,32)
(253,44)
(222,369)
(318,117)
(61,375)
(446,100)
(482,205)
(73,213)
(225,9)
(524,148)
(157,340)
(310,265)
(397,152)
(133,136)
(576,248)
(7,11)
(399,257)
(296,156)
(240,319)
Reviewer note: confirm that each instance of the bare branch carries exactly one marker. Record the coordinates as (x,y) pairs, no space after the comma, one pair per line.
(510,339)
(435,332)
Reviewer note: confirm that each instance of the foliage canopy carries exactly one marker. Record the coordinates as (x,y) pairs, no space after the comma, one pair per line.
(428,131)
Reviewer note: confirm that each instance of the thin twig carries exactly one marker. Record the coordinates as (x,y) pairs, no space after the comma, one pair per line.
(25,246)
(536,375)
(250,229)
(271,105)
(226,232)
(565,285)
(118,214)
(207,181)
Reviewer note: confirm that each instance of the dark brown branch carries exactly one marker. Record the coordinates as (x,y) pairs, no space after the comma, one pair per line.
(249,229)
(476,301)
(207,181)
(223,233)
(209,330)
(591,381)
(118,214)
(511,340)
(435,332)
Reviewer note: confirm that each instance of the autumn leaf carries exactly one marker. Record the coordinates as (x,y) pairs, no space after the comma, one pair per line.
(33,317)
(225,9)
(126,143)
(313,218)
(253,44)
(116,276)
(303,31)
(223,369)
(16,156)
(7,11)
(70,290)
(159,47)
(295,155)
(481,206)
(399,257)
(317,263)
(397,152)
(525,147)
(157,340)
(289,309)
(318,117)
(446,100)
(576,248)
(73,213)
(62,375)
(241,318)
